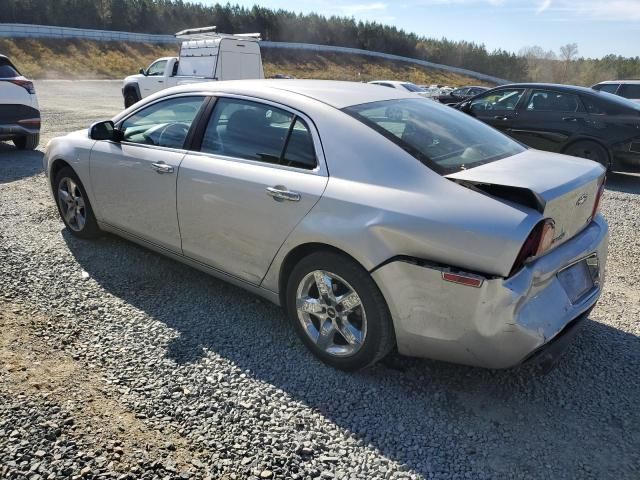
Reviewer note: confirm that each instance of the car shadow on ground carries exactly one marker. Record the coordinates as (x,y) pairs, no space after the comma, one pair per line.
(623,182)
(404,407)
(18,164)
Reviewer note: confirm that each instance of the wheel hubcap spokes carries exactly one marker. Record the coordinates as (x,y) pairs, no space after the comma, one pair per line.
(331,313)
(72,204)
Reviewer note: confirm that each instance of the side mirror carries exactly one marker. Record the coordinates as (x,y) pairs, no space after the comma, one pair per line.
(143,72)
(104,131)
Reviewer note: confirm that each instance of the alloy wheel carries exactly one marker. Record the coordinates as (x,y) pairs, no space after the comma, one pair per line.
(72,204)
(331,313)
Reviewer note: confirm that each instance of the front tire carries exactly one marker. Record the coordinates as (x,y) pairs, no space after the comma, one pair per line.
(338,311)
(27,142)
(130,97)
(591,151)
(74,206)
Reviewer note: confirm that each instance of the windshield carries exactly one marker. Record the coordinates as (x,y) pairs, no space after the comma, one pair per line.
(412,88)
(442,138)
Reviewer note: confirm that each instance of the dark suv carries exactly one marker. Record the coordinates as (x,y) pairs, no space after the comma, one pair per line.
(625,88)
(573,120)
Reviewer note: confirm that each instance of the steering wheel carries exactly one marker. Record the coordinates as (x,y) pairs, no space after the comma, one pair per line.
(176,130)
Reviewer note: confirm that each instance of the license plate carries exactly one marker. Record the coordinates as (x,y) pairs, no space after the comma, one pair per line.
(576,280)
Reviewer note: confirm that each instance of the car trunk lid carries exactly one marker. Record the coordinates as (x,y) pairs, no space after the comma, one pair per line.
(562,188)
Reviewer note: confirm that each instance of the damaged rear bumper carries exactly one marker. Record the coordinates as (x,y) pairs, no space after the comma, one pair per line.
(503,322)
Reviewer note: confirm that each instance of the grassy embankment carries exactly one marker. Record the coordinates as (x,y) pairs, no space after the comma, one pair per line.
(68,59)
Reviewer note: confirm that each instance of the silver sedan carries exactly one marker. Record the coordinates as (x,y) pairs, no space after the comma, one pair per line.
(376,219)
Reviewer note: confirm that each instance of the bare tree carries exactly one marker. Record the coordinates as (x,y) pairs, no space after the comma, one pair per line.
(568,54)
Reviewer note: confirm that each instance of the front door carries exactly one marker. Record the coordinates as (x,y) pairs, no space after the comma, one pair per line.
(258,173)
(498,108)
(134,181)
(154,79)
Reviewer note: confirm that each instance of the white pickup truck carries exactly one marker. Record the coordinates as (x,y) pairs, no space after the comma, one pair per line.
(205,55)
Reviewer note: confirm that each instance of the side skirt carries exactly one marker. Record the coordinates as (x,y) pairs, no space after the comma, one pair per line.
(257,290)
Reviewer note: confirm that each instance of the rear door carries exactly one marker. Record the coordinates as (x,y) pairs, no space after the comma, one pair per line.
(549,119)
(498,107)
(258,172)
(239,59)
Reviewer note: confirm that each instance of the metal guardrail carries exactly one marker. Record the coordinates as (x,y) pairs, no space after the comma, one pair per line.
(21,30)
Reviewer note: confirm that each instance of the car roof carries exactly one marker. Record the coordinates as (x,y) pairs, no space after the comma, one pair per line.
(615,82)
(552,86)
(610,97)
(337,94)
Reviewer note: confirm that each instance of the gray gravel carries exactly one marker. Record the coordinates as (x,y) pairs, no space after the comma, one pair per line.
(116,362)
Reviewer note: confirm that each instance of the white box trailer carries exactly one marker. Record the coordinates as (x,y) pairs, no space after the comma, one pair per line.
(205,55)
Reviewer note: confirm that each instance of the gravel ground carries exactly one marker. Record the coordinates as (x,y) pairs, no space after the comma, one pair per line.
(116,362)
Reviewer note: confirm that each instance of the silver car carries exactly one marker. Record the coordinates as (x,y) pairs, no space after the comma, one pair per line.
(376,219)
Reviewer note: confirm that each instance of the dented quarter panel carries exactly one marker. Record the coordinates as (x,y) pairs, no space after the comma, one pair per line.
(497,325)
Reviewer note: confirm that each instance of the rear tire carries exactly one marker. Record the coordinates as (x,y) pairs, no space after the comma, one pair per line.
(591,151)
(130,97)
(74,206)
(352,304)
(27,142)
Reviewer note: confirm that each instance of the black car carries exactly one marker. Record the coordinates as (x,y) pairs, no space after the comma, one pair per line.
(460,94)
(624,88)
(567,119)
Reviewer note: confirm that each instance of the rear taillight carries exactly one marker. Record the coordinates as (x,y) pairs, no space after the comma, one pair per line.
(539,241)
(26,84)
(30,122)
(596,204)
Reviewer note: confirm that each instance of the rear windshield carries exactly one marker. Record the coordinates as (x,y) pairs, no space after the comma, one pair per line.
(442,138)
(7,71)
(412,88)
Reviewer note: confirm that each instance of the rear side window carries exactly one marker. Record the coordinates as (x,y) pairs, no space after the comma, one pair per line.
(609,105)
(630,91)
(548,101)
(7,71)
(256,131)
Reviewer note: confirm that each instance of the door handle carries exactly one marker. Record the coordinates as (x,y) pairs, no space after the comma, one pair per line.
(503,117)
(280,194)
(162,167)
(570,119)
(160,81)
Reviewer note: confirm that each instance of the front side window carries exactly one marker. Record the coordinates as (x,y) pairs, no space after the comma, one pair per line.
(607,87)
(157,69)
(547,101)
(501,100)
(459,92)
(445,140)
(163,124)
(256,131)
(629,90)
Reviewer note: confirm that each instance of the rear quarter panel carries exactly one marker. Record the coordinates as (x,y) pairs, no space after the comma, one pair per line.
(380,202)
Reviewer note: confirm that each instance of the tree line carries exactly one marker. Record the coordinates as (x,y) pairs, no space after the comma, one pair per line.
(170,16)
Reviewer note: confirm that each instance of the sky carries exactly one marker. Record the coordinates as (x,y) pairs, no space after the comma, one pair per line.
(599,27)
